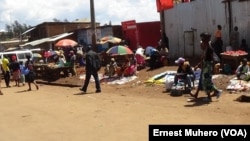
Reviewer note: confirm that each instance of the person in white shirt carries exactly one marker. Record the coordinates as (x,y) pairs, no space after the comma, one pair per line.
(61,61)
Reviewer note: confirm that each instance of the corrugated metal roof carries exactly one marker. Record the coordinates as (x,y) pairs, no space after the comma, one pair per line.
(57,37)
(27,31)
(84,20)
(48,39)
(36,42)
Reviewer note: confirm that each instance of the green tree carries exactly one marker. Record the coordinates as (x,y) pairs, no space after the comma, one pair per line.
(13,30)
(57,20)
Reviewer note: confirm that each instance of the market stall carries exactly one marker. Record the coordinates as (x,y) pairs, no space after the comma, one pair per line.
(51,71)
(232,58)
(39,70)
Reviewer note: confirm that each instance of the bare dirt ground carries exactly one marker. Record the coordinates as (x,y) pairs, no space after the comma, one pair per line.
(120,112)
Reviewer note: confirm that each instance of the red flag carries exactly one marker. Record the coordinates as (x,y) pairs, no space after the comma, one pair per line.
(164,4)
(158,5)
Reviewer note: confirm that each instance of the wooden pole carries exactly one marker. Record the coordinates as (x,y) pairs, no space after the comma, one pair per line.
(162,20)
(93,24)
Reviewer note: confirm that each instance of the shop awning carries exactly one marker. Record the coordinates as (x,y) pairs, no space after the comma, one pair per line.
(48,39)
(27,31)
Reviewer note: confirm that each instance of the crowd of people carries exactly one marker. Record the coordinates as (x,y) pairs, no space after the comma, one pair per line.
(127,67)
(24,73)
(206,64)
(60,58)
(21,72)
(212,48)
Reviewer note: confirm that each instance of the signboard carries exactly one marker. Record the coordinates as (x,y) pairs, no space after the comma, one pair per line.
(127,25)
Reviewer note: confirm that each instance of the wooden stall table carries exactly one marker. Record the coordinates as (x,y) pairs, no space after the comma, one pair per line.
(39,69)
(232,60)
(50,72)
(53,73)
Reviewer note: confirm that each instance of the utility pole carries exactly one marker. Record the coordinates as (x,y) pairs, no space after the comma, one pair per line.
(162,20)
(93,24)
(228,3)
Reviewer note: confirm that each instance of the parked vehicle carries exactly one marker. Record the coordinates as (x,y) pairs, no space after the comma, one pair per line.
(20,55)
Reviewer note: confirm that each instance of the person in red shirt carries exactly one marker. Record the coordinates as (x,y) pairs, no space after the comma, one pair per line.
(15,67)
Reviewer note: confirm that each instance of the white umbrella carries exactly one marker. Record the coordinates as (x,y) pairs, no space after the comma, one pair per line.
(37,55)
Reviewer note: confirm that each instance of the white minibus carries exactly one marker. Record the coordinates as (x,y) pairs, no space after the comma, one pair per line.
(20,55)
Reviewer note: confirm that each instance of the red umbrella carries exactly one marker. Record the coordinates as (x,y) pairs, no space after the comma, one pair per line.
(66,43)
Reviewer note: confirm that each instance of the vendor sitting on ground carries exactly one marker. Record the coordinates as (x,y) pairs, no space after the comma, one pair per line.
(184,72)
(130,67)
(242,69)
(110,69)
(154,61)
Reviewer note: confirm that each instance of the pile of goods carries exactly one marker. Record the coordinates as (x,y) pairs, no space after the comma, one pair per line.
(235,53)
(52,66)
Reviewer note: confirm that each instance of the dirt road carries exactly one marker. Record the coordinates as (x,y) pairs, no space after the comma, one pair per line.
(55,113)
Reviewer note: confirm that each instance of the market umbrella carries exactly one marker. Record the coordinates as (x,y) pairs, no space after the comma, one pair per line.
(110,39)
(119,50)
(37,55)
(51,53)
(66,43)
(55,52)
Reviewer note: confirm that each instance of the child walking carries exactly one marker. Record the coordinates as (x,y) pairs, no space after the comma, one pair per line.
(22,75)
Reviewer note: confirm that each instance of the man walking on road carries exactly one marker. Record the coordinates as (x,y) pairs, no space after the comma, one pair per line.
(92,67)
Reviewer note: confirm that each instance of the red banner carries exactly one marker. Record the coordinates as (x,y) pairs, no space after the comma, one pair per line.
(164,5)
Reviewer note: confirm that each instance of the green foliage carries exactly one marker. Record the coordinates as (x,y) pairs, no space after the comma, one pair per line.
(13,30)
